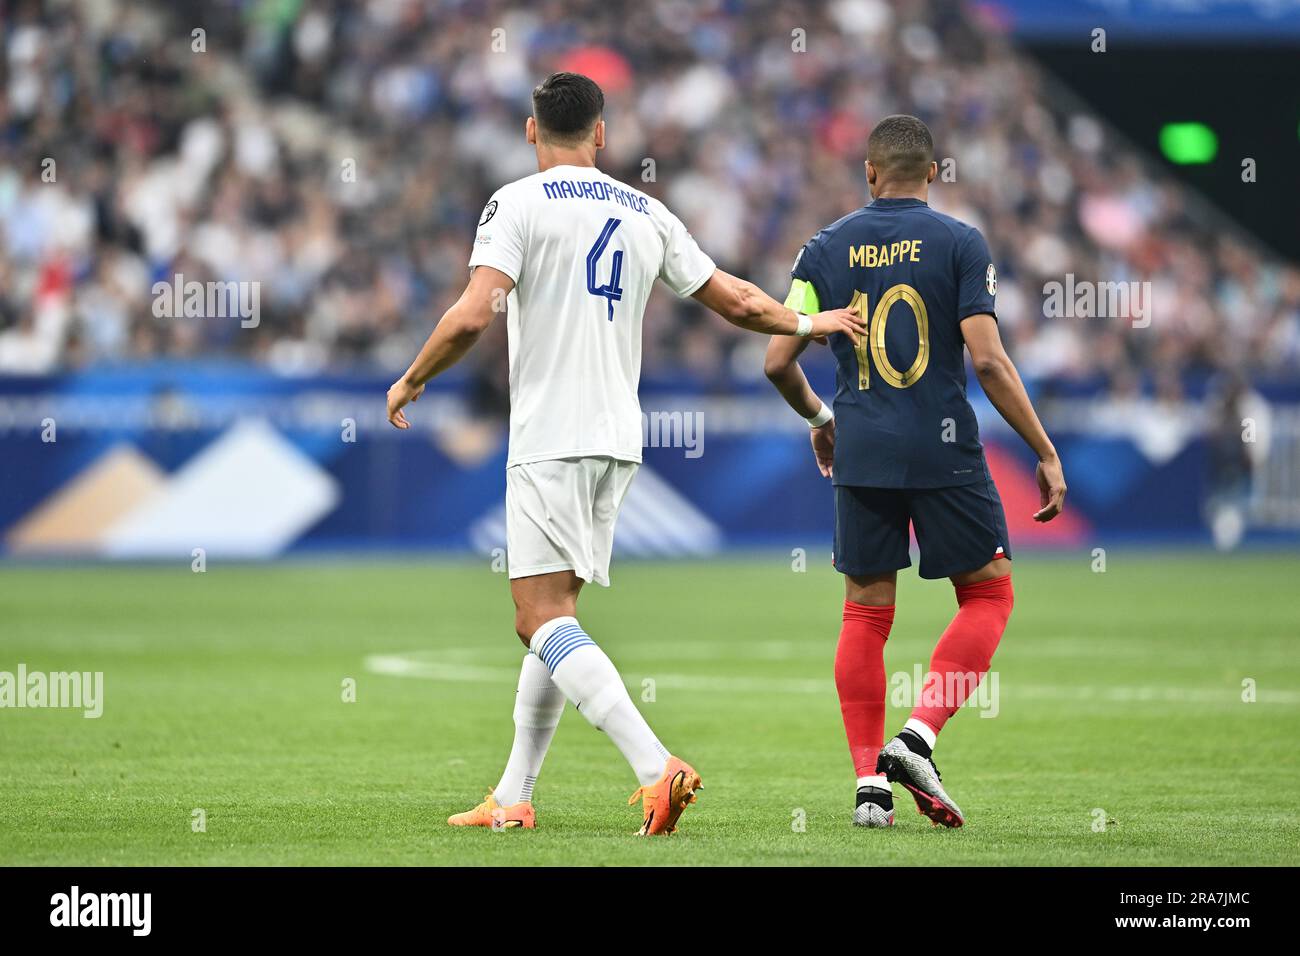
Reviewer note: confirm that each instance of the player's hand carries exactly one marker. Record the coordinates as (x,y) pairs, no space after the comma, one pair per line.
(823,444)
(837,320)
(1051,489)
(401,394)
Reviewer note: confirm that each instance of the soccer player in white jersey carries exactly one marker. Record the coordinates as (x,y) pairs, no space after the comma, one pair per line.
(576,253)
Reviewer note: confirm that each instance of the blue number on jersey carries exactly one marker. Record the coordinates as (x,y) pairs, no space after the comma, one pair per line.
(611,290)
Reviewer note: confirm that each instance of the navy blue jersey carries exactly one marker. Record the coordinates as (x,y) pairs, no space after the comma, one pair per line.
(901,415)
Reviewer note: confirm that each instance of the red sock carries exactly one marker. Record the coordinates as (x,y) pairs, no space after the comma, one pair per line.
(962,656)
(860,680)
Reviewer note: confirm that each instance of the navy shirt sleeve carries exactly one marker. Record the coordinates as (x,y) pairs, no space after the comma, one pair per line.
(977,279)
(807,268)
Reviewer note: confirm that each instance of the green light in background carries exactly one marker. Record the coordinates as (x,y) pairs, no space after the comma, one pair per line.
(1188,143)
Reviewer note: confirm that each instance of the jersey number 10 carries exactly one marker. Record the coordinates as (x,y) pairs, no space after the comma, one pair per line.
(872,345)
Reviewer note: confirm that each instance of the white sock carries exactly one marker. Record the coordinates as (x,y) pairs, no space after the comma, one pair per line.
(877,781)
(588,678)
(538,706)
(922,730)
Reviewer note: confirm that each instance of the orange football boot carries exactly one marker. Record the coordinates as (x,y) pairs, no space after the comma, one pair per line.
(664,801)
(490,814)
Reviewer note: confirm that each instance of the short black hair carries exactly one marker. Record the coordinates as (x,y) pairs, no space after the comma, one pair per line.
(567,106)
(901,147)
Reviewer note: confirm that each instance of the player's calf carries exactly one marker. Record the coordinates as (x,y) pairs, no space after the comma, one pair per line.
(959,663)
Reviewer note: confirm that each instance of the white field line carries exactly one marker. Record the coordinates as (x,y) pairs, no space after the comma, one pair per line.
(425,665)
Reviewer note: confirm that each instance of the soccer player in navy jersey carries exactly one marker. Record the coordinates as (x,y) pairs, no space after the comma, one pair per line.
(902,448)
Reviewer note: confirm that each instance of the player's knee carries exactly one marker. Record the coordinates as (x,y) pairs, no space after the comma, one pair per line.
(992,597)
(526,625)
(878,590)
(530,618)
(997,568)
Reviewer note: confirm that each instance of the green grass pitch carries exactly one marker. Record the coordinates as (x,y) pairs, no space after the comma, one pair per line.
(1120,699)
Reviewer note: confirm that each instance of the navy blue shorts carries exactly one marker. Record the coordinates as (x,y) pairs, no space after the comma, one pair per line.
(958,529)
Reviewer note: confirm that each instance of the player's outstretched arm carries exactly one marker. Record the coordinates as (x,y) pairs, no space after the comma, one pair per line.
(746,305)
(1001,383)
(457,331)
(781,365)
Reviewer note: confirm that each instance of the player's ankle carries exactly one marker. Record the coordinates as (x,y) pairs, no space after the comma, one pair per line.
(918,737)
(881,798)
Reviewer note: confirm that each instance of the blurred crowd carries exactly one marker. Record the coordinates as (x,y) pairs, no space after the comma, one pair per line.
(340,153)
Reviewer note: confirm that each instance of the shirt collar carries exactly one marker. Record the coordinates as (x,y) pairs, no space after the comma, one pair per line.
(898,203)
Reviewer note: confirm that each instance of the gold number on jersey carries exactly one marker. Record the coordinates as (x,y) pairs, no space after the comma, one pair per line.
(860,341)
(874,341)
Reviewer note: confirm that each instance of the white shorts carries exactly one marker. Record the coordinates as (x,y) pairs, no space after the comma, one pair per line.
(560,515)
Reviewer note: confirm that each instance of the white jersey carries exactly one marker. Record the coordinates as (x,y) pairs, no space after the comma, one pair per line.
(583,251)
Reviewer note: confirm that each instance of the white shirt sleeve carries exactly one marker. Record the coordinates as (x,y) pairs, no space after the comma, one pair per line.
(685,267)
(499,242)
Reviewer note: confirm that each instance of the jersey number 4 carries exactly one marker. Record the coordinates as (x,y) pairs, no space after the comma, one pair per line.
(611,290)
(872,345)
